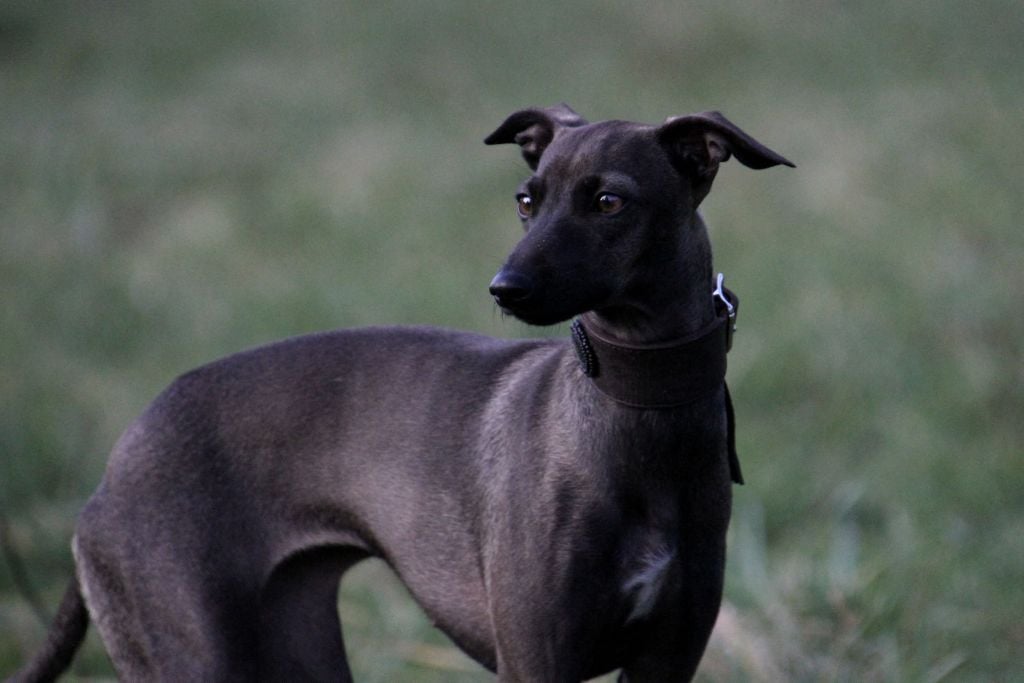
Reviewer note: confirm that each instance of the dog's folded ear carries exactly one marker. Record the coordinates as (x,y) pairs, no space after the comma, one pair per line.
(698,143)
(534,129)
(709,138)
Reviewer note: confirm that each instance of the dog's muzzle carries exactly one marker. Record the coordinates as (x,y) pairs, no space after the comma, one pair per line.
(510,288)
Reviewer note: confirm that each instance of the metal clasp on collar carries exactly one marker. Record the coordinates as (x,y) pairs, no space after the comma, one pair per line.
(720,295)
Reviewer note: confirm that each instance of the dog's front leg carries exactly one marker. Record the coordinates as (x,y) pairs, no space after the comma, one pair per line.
(535,648)
(551,599)
(531,643)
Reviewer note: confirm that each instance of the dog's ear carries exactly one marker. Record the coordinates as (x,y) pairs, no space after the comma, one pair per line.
(698,143)
(534,129)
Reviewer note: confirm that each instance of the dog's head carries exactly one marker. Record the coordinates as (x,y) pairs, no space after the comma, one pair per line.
(606,202)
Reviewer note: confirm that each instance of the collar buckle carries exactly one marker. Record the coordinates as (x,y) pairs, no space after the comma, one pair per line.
(725,299)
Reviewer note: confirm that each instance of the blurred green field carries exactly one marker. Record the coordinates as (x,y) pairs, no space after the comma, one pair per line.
(183,180)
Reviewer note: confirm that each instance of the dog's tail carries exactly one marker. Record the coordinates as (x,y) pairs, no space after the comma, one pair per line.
(66,634)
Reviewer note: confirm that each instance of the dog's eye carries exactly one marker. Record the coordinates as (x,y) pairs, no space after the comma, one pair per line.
(524,205)
(609,203)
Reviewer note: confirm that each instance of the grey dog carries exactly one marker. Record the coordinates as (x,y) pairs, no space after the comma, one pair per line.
(558,507)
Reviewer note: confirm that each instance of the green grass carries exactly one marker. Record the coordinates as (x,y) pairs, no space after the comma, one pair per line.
(182,180)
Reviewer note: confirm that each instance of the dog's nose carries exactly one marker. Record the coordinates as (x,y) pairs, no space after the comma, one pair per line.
(509,288)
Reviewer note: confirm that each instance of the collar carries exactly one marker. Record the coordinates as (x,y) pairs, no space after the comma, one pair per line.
(666,375)
(661,375)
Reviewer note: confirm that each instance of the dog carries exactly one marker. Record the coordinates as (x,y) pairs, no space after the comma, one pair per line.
(558,507)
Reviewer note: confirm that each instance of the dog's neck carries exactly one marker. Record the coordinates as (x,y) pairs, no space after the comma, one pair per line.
(676,302)
(665,366)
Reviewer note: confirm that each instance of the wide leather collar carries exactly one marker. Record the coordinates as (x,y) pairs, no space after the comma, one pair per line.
(668,375)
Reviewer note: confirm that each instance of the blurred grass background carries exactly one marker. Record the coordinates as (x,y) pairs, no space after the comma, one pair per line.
(182,180)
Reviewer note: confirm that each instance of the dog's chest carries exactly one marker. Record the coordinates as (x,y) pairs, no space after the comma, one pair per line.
(647,576)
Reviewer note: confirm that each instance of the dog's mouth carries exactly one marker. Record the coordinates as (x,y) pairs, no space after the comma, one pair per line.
(533,317)
(534,301)
(539,311)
